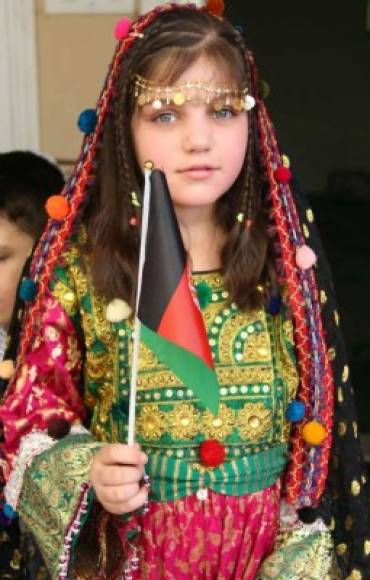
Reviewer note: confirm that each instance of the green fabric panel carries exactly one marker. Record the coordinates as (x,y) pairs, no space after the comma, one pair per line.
(51,493)
(175,478)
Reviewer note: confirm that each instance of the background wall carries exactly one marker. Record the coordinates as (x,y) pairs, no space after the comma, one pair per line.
(316,57)
(73,52)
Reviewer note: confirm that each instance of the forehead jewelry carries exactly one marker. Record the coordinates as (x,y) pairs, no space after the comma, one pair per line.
(147,92)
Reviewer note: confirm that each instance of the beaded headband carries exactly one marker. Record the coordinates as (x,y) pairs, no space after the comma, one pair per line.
(149,93)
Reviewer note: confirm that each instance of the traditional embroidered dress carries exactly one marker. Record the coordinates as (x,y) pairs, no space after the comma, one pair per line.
(239,500)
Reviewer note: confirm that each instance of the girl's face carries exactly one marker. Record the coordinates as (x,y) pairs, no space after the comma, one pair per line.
(15,246)
(200,150)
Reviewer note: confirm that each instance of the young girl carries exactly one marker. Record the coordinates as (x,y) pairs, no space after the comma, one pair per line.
(254,490)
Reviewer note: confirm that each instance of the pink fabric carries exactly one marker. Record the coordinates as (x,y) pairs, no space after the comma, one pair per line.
(44,387)
(220,538)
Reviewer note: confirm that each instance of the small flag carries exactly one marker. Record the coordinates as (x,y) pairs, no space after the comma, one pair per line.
(171,322)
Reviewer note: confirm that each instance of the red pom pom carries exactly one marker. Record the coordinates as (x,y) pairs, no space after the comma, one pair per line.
(283,174)
(212,453)
(122,28)
(57,207)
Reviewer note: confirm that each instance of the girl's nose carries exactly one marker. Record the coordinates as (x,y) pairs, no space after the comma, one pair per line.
(198,134)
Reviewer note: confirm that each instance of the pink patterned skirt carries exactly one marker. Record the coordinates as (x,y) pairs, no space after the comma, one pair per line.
(216,537)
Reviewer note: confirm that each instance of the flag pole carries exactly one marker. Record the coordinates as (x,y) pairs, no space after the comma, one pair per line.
(148,168)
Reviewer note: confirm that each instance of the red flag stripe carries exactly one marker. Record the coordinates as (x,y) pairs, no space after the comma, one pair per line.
(182,323)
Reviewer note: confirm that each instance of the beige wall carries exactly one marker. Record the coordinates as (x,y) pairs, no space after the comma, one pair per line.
(73,54)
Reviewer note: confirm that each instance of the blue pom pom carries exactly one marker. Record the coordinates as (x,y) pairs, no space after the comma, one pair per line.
(274,305)
(295,411)
(9,512)
(27,289)
(204,294)
(87,121)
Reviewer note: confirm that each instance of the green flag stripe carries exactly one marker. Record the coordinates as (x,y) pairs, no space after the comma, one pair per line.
(190,369)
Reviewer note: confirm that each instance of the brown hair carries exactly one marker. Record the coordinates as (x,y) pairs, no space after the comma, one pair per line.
(171,43)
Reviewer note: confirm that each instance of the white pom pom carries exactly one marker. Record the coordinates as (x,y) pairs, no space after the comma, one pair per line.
(117,310)
(250,102)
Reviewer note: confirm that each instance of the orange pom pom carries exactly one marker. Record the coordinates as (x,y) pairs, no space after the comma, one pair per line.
(57,207)
(6,369)
(216,7)
(314,433)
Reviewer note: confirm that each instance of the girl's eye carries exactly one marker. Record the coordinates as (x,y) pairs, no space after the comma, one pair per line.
(224,113)
(166,117)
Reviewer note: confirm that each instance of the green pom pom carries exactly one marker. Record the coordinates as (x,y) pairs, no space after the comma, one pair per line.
(204,294)
(264,89)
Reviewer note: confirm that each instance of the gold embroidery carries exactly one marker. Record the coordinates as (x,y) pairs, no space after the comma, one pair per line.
(254,421)
(341,549)
(218,426)
(151,422)
(310,216)
(355,487)
(345,373)
(355,575)
(63,294)
(183,421)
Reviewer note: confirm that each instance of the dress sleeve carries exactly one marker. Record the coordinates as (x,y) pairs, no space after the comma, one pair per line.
(47,480)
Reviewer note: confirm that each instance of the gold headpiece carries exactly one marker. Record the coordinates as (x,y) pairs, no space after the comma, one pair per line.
(149,93)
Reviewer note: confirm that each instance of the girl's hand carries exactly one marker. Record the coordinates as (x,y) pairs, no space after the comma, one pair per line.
(115,474)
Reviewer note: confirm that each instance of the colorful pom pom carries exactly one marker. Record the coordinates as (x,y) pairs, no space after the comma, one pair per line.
(216,7)
(57,207)
(239,28)
(283,174)
(117,310)
(274,305)
(212,453)
(264,88)
(250,102)
(204,294)
(9,512)
(122,28)
(7,369)
(314,433)
(295,411)
(133,221)
(58,428)
(87,121)
(305,257)
(27,289)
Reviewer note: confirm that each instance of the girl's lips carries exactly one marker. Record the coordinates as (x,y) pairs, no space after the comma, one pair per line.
(197,171)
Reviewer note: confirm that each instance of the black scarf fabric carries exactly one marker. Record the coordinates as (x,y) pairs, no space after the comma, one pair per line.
(345,506)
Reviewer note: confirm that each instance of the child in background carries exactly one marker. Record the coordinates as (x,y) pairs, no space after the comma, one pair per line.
(26,182)
(183,92)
